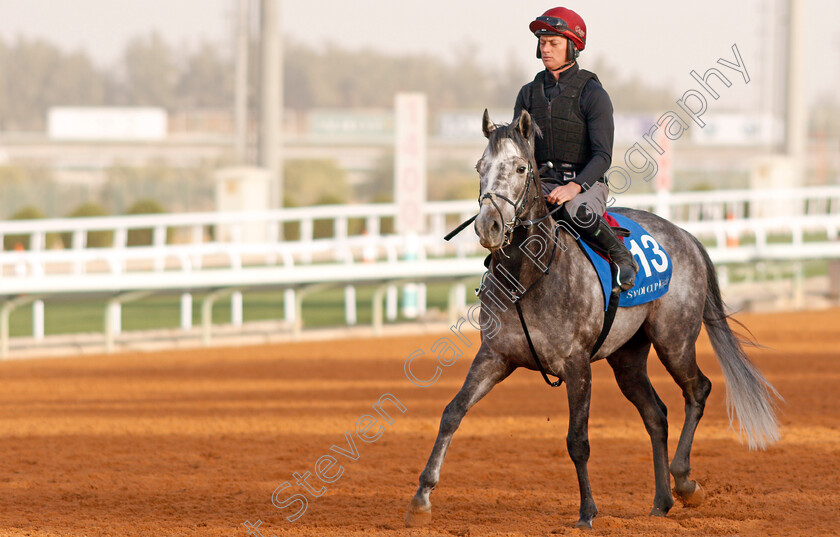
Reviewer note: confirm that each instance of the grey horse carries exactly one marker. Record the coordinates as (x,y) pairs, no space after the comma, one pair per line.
(564,311)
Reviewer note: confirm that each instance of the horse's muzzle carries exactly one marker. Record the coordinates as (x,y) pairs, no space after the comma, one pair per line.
(490,228)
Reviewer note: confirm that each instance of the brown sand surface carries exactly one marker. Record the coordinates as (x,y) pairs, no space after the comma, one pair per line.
(194,443)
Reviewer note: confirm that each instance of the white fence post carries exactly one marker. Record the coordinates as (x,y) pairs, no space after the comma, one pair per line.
(186,311)
(391,303)
(289,305)
(350,305)
(236,308)
(38,320)
(115,312)
(460,297)
(421,299)
(113,323)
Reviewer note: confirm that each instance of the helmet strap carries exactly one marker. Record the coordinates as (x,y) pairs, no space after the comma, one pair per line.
(571,50)
(568,63)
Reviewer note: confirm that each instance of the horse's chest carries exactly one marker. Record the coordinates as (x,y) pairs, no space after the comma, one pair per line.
(551,338)
(558,328)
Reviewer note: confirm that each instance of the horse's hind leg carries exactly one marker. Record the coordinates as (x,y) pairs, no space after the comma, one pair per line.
(629,363)
(680,360)
(487,370)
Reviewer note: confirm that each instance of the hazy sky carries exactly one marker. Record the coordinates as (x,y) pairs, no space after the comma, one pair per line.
(658,40)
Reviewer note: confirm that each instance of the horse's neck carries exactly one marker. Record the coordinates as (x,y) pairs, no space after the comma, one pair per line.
(538,246)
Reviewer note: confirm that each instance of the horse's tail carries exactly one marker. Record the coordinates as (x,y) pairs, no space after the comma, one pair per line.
(748,394)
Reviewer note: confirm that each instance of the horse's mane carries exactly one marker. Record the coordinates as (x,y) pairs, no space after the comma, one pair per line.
(506,131)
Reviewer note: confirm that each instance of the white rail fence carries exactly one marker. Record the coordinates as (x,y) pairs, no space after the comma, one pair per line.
(265,226)
(246,252)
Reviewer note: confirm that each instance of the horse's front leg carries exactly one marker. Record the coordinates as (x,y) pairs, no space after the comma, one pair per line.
(487,370)
(579,389)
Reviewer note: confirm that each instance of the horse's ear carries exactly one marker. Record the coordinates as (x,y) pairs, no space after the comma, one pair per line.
(525,125)
(487,126)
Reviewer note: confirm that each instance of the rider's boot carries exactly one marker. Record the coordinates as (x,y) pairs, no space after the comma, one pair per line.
(603,237)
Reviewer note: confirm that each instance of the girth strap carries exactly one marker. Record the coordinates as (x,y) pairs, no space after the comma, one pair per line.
(557,382)
(609,317)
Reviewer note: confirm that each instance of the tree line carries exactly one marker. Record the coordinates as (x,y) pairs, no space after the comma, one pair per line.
(36,74)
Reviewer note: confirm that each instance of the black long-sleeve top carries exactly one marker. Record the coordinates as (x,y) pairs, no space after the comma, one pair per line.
(596,107)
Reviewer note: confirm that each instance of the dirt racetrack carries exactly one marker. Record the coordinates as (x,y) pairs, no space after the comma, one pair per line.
(194,443)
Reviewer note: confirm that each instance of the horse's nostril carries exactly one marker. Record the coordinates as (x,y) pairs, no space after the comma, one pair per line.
(494,227)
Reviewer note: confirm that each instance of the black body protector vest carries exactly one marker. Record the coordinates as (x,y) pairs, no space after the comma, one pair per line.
(565,139)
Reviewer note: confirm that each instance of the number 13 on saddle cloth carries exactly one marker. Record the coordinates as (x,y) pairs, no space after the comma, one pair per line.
(654,265)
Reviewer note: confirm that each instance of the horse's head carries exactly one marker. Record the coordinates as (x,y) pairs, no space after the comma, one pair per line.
(508,183)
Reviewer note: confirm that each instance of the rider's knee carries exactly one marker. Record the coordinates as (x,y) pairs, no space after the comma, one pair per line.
(582,218)
(585,217)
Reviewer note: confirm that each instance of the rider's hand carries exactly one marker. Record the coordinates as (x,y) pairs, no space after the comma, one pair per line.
(563,193)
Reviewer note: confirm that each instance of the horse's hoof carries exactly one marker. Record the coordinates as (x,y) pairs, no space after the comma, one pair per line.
(418,514)
(662,505)
(694,498)
(658,511)
(584,524)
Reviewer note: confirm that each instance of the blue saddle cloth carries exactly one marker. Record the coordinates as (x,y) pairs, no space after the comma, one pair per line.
(654,266)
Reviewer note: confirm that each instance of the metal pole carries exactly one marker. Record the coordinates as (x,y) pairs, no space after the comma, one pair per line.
(271,98)
(240,104)
(795,125)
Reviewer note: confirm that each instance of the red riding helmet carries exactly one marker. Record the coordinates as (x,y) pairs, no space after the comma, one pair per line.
(561,21)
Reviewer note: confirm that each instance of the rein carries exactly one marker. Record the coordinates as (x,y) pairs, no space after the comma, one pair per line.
(517,208)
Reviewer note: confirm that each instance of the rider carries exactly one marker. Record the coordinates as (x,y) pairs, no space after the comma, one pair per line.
(575,115)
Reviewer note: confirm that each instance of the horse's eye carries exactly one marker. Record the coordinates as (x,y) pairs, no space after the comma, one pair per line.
(520,169)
